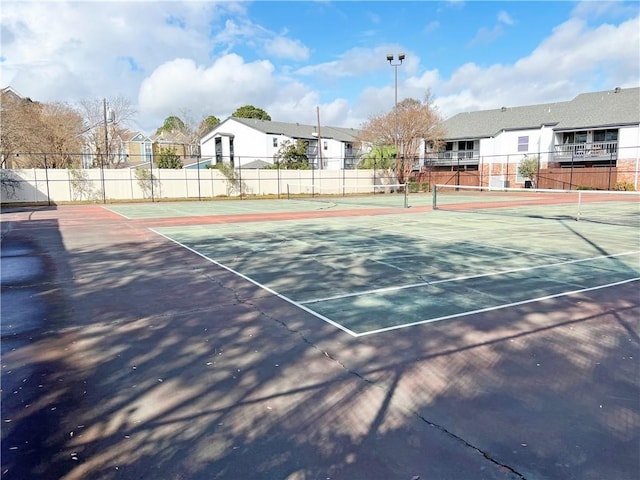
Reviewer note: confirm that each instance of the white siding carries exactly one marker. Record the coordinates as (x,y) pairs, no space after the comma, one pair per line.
(333,156)
(545,145)
(629,141)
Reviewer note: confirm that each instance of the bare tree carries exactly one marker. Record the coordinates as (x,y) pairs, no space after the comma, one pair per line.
(191,131)
(36,135)
(100,136)
(18,130)
(407,129)
(59,127)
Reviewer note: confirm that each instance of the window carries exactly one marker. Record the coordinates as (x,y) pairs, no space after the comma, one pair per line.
(523,144)
(218,144)
(275,142)
(447,151)
(465,145)
(465,149)
(147,152)
(605,141)
(325,145)
(605,135)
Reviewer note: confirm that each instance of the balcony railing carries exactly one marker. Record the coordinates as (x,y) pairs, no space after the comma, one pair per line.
(591,151)
(461,157)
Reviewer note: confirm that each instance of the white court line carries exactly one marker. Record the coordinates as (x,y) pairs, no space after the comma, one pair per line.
(286,299)
(162,217)
(526,252)
(456,279)
(497,307)
(117,213)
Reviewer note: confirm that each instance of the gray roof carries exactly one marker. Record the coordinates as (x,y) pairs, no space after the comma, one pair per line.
(11,92)
(257,164)
(588,110)
(300,130)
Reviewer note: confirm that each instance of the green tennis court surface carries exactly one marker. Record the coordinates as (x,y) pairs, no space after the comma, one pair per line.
(372,274)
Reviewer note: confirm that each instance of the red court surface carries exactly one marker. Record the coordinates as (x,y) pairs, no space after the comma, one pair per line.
(125,356)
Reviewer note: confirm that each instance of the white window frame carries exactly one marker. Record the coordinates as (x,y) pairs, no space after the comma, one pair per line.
(523,143)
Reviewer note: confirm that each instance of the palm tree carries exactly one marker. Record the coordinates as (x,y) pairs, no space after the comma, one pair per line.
(382,158)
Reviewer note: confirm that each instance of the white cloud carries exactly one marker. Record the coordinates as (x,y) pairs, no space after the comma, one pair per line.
(283,47)
(432,26)
(504,17)
(487,35)
(360,61)
(81,51)
(245,32)
(238,32)
(590,10)
(349,64)
(217,89)
(605,53)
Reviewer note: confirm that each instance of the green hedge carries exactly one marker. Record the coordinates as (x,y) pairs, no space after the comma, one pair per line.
(416,187)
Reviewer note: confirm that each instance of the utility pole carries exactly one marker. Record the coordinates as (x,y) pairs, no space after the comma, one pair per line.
(319,137)
(106,148)
(106,133)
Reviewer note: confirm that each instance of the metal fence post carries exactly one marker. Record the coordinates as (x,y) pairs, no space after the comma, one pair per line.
(46,177)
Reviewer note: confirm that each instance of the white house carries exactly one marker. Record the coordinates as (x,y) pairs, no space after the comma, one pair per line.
(248,143)
(600,129)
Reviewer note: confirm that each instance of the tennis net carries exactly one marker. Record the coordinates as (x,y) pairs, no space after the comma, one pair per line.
(617,208)
(391,195)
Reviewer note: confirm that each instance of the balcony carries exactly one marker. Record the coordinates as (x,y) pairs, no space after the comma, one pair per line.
(592,151)
(449,157)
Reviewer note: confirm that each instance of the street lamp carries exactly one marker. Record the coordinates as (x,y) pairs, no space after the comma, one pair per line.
(395,62)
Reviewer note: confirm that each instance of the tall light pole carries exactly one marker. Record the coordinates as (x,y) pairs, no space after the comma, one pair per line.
(395,62)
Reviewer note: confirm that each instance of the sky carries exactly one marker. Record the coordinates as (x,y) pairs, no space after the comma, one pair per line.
(298,60)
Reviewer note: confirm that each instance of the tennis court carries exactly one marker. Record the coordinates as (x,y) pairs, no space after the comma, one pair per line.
(328,337)
(372,274)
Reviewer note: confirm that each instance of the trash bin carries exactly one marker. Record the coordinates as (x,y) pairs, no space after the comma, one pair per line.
(528,184)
